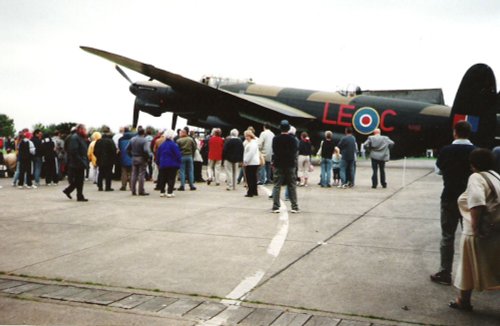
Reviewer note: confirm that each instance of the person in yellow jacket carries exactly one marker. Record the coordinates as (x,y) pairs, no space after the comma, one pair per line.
(94,170)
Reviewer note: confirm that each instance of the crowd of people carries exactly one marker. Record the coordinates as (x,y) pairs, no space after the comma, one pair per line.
(139,156)
(471,180)
(30,155)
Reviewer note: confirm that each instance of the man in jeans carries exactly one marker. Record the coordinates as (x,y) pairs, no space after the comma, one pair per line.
(348,149)
(140,152)
(453,164)
(188,147)
(266,147)
(285,149)
(379,147)
(37,158)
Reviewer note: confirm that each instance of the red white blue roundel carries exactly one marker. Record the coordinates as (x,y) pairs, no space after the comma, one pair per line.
(365,120)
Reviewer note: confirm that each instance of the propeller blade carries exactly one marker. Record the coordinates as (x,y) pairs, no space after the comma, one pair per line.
(120,70)
(174,121)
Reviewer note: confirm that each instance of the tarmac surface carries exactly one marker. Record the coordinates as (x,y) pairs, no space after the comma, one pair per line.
(358,256)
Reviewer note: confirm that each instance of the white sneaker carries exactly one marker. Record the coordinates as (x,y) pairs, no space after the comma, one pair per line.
(275,211)
(170,195)
(163,195)
(20,187)
(33,187)
(295,211)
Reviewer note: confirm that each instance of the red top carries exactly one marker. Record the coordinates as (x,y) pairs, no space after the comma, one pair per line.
(215,147)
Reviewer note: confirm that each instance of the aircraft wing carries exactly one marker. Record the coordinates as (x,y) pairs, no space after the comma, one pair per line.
(250,107)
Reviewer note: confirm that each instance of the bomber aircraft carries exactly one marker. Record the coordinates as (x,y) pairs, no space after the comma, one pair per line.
(414,124)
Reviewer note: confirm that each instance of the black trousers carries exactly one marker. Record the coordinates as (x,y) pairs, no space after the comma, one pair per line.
(197,171)
(75,179)
(25,169)
(106,174)
(251,174)
(50,171)
(166,177)
(378,165)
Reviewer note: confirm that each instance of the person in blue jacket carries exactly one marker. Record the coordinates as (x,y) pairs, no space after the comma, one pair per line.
(125,158)
(169,158)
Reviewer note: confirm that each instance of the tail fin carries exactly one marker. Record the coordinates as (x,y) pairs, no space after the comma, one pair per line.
(476,102)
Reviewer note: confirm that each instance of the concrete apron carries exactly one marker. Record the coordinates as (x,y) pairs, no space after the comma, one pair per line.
(359,251)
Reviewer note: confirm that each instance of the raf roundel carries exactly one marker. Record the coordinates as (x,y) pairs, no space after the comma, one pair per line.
(365,120)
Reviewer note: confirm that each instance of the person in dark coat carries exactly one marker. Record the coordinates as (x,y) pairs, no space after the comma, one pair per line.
(78,162)
(105,152)
(38,157)
(285,148)
(26,150)
(49,159)
(348,149)
(232,155)
(453,164)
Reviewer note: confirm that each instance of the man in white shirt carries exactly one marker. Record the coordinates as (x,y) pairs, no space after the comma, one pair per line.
(266,148)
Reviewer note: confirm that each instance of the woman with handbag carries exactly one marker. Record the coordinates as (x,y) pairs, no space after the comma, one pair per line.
(479,264)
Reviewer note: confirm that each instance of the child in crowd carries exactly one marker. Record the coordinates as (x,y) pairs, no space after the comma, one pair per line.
(336,166)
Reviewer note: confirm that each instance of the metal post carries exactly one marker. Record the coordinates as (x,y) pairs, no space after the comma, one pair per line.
(234,176)
(404,172)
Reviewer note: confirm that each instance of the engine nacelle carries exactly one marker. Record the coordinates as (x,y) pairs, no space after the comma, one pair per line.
(153,97)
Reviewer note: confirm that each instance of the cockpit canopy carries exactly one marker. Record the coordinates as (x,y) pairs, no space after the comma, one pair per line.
(216,82)
(350,90)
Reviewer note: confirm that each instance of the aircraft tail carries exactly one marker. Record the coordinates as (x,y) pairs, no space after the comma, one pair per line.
(476,102)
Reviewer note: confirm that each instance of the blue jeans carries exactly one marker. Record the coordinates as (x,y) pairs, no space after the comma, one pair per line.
(326,172)
(187,164)
(269,172)
(37,169)
(347,171)
(17,174)
(262,174)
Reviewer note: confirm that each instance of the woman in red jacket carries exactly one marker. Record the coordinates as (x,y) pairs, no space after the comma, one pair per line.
(215,148)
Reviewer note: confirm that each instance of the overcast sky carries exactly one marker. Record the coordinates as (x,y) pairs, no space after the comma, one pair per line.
(391,44)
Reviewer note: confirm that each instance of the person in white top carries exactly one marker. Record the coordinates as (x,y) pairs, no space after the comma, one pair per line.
(266,148)
(251,162)
(479,264)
